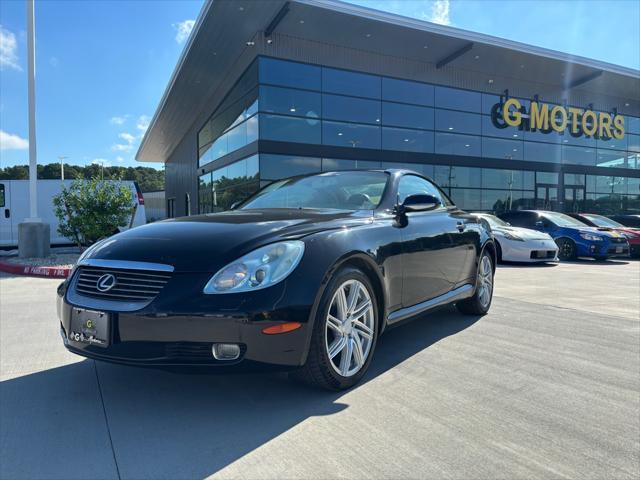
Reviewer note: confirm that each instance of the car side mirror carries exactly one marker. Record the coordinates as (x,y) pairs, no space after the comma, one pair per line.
(418,203)
(539,225)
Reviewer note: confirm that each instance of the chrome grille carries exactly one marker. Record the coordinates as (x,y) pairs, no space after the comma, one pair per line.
(130,285)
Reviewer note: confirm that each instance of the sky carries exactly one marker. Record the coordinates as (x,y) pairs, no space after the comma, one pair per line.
(102,65)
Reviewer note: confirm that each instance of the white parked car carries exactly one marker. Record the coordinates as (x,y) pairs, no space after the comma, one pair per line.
(517,244)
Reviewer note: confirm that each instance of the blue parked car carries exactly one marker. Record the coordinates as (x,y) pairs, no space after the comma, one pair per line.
(574,238)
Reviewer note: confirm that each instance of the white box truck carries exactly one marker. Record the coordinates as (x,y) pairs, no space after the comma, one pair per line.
(14,208)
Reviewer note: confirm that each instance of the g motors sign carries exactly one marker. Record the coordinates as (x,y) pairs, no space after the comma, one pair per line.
(546,118)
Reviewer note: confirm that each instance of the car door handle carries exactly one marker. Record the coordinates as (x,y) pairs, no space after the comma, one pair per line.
(7,213)
(461,226)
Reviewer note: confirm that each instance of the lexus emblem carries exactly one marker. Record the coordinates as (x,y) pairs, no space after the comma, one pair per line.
(106,282)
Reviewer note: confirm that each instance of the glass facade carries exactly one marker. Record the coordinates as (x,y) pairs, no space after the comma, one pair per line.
(315,106)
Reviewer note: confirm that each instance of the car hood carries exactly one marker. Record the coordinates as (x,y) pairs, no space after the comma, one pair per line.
(524,233)
(205,243)
(593,230)
(625,231)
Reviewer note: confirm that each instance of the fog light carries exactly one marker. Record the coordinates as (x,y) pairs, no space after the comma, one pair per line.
(225,351)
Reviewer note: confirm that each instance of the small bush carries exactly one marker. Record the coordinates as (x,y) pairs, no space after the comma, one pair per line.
(92,209)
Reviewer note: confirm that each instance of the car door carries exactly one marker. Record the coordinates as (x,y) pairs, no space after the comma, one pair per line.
(431,264)
(6,231)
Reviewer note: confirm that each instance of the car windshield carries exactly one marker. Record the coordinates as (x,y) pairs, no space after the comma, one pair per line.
(494,221)
(601,221)
(562,220)
(332,190)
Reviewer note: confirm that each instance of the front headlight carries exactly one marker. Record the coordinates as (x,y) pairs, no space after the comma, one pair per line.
(591,237)
(513,236)
(261,268)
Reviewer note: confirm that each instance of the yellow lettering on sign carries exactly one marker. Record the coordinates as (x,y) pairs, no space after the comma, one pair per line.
(513,118)
(604,125)
(618,123)
(575,118)
(539,116)
(589,123)
(562,113)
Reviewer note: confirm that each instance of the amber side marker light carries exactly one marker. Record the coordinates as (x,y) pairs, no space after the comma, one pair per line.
(282,328)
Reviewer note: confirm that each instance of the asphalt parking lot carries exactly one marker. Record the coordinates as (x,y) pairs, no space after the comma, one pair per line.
(545,386)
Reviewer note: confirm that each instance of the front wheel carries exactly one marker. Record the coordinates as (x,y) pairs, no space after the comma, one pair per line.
(480,303)
(566,249)
(344,333)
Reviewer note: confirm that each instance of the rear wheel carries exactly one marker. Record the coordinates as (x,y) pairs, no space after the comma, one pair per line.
(344,333)
(480,303)
(566,249)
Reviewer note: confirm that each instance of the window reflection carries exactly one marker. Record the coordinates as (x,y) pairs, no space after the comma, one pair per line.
(452,144)
(223,187)
(351,135)
(542,152)
(338,107)
(466,198)
(407,140)
(290,129)
(275,167)
(289,74)
(407,91)
(409,116)
(457,99)
(330,164)
(502,148)
(351,83)
(287,101)
(465,177)
(607,158)
(457,122)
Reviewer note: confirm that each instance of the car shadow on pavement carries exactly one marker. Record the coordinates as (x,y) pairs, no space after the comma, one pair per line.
(166,425)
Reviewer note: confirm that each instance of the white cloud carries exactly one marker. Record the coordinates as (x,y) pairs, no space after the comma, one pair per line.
(124,147)
(8,50)
(440,12)
(143,123)
(118,120)
(119,159)
(101,161)
(9,141)
(54,62)
(183,30)
(127,137)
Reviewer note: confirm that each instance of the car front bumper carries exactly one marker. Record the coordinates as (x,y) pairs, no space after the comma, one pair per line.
(606,249)
(530,251)
(160,337)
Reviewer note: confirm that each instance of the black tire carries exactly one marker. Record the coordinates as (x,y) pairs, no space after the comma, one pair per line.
(476,305)
(318,370)
(566,249)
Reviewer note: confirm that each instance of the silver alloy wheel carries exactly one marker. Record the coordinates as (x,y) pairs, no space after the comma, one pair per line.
(485,281)
(349,328)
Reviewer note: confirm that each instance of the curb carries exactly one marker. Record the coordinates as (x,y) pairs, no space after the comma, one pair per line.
(35,270)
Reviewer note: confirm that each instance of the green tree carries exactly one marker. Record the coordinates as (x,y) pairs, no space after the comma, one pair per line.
(149,179)
(92,209)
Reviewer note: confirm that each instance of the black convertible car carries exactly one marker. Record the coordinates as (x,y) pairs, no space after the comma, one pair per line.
(305,274)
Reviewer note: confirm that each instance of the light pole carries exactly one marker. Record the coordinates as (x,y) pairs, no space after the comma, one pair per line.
(34,237)
(33,158)
(62,158)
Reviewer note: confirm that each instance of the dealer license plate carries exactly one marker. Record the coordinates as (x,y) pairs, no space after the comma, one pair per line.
(91,327)
(619,249)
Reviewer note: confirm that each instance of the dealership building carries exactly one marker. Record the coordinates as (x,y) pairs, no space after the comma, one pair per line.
(273,88)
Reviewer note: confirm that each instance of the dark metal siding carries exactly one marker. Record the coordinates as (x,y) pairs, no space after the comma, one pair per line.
(181,173)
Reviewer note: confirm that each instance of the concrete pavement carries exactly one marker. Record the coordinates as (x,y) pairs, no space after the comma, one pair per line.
(546,385)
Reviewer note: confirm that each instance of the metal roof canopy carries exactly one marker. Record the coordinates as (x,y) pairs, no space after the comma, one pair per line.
(223,29)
